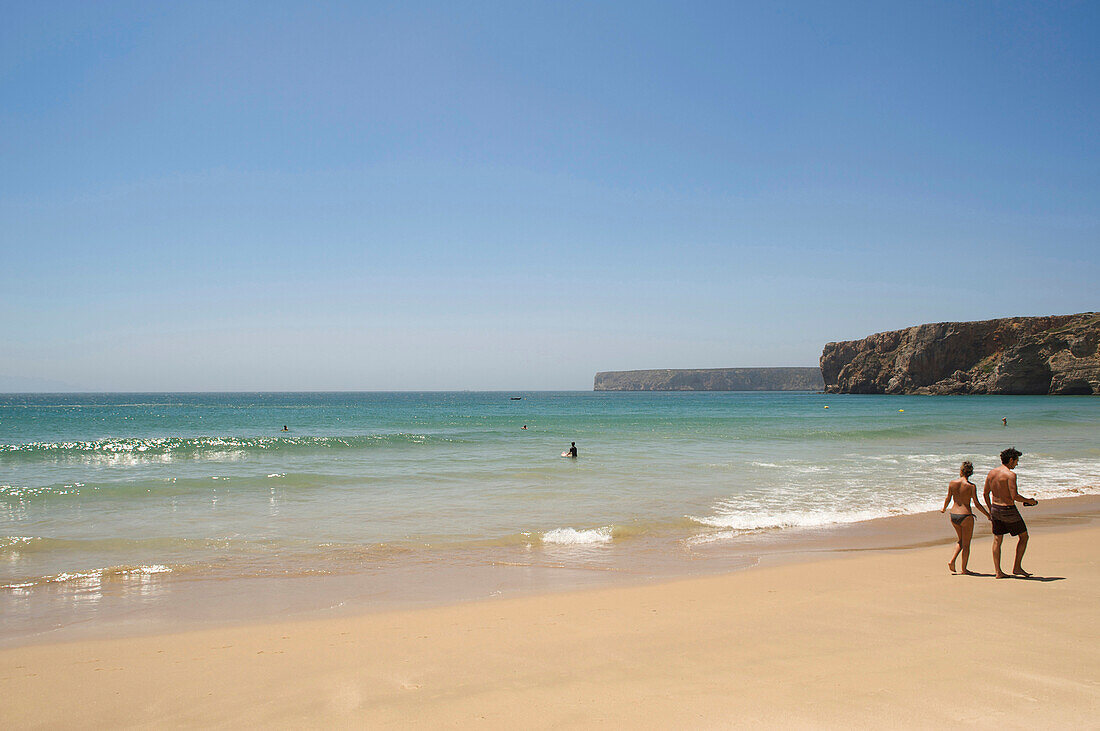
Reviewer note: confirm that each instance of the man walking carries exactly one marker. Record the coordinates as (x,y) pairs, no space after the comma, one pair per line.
(1000,484)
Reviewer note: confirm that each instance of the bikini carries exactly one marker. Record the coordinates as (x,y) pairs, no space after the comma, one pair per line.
(958,518)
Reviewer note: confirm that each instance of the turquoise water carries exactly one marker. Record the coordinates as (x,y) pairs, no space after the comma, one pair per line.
(193,485)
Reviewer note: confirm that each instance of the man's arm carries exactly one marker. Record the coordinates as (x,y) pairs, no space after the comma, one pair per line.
(1016,496)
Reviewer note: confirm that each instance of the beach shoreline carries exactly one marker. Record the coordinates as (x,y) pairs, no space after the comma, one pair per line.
(865,633)
(153,605)
(126,516)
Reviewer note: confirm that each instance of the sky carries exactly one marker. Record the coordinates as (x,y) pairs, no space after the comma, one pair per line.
(495,196)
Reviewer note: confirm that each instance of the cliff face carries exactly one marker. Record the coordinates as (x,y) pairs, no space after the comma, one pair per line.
(1014,355)
(711,379)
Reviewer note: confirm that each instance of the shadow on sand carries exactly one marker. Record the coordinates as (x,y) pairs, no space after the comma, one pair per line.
(1033,577)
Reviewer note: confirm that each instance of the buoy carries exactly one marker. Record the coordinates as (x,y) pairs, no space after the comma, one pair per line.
(826,407)
(900,410)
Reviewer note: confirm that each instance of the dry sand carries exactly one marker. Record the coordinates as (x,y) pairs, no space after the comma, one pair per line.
(865,639)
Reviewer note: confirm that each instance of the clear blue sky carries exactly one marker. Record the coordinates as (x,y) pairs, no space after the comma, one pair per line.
(268,195)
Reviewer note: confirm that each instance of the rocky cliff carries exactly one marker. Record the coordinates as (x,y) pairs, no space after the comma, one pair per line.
(1014,355)
(711,379)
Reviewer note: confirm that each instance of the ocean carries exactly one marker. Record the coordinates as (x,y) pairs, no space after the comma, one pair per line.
(120,495)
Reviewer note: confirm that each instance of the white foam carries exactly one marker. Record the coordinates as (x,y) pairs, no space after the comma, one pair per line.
(574,537)
(722,535)
(760,520)
(810,500)
(146,570)
(94,576)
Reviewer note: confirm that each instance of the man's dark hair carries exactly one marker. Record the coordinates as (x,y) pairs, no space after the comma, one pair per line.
(1010,454)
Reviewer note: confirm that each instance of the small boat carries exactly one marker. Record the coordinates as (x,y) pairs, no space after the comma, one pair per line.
(517,398)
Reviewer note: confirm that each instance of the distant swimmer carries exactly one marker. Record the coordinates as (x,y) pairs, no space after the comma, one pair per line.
(285,429)
(572,451)
(524,426)
(1004,420)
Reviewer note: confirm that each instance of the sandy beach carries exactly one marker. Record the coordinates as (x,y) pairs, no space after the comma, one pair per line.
(548,365)
(868,637)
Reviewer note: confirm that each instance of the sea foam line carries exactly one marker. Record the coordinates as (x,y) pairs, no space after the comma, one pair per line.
(733,519)
(574,537)
(93,575)
(163,448)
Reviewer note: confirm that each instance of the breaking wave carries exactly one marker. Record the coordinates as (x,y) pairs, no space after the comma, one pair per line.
(95,575)
(164,449)
(574,537)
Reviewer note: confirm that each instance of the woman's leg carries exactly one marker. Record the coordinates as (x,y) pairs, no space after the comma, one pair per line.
(958,546)
(965,534)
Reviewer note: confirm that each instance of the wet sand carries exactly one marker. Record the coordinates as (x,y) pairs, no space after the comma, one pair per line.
(162,603)
(864,630)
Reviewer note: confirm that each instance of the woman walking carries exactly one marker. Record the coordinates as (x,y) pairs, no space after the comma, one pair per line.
(963,492)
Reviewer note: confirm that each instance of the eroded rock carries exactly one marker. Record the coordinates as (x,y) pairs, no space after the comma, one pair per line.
(1057,354)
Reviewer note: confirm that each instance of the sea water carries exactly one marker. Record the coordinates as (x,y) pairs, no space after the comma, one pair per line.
(145,488)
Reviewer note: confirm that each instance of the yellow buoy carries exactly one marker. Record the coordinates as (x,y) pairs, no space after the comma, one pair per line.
(826,407)
(900,410)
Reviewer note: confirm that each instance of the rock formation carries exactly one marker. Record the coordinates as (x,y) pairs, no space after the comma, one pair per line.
(711,379)
(1013,355)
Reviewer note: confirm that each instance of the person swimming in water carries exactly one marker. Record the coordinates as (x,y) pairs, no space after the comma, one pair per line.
(962,491)
(573,449)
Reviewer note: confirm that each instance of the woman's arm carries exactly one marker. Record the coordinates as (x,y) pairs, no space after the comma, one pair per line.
(947,499)
(977,503)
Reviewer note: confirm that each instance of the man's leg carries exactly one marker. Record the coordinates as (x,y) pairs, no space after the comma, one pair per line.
(1021,546)
(997,555)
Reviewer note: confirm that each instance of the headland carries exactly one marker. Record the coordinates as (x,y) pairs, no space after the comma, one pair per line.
(1055,355)
(711,379)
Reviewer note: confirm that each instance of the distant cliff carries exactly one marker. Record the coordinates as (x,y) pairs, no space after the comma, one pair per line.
(711,379)
(1014,355)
